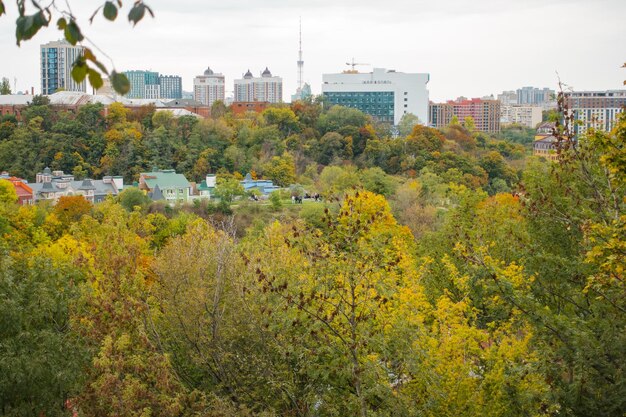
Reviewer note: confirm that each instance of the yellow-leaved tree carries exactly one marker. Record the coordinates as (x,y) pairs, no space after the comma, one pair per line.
(346,302)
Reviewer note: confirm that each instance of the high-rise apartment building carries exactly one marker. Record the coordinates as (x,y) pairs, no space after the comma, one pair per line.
(486,113)
(209,88)
(152,85)
(536,96)
(264,88)
(508,98)
(57,58)
(595,109)
(171,86)
(143,84)
(386,95)
(529,116)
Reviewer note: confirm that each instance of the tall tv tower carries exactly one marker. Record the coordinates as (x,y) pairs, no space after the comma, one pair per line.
(300,61)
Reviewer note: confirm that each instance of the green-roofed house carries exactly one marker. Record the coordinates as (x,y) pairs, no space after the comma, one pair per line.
(173,187)
(206,189)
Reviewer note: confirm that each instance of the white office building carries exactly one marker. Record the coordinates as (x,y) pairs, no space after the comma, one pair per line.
(57,58)
(264,88)
(386,95)
(209,88)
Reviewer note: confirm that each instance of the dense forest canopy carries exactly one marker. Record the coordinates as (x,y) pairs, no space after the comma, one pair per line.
(445,272)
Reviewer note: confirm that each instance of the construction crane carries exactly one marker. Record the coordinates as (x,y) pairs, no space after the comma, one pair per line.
(354,64)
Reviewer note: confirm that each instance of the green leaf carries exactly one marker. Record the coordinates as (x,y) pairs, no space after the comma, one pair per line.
(72,33)
(120,83)
(110,11)
(27,26)
(136,13)
(2,9)
(95,79)
(62,23)
(79,71)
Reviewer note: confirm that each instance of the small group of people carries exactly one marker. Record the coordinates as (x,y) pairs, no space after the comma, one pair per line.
(298,199)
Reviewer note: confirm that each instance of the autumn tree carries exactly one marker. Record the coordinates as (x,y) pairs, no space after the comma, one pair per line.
(355,291)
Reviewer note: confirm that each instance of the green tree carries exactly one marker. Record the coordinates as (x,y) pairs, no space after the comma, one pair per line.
(5,86)
(407,122)
(133,197)
(281,170)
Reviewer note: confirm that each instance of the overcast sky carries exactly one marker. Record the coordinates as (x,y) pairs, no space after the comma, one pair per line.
(470,48)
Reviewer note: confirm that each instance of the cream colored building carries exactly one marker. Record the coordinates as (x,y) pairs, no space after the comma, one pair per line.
(529,116)
(209,87)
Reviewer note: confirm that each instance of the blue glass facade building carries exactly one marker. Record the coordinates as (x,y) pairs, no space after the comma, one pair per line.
(378,104)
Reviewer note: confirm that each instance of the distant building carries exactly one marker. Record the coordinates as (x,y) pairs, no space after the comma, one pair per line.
(545,144)
(508,98)
(263,186)
(206,189)
(171,86)
(264,88)
(24,192)
(57,58)
(595,109)
(165,184)
(240,107)
(543,97)
(386,95)
(143,84)
(302,93)
(529,116)
(486,113)
(106,89)
(51,185)
(151,85)
(209,87)
(66,101)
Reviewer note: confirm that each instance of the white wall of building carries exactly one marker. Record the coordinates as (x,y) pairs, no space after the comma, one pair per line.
(410,92)
(264,88)
(207,89)
(529,116)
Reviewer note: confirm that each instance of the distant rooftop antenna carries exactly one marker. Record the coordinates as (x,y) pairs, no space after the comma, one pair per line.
(300,61)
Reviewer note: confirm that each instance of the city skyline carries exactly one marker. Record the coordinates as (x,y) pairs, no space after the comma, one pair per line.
(409,37)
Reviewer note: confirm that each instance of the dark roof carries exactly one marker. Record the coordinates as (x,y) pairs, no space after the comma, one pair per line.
(156,194)
(208,71)
(47,171)
(266,73)
(87,185)
(47,186)
(248,74)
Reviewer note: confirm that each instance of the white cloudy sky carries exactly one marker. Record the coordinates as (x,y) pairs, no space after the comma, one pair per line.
(470,48)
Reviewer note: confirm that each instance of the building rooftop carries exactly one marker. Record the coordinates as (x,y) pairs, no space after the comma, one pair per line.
(165,178)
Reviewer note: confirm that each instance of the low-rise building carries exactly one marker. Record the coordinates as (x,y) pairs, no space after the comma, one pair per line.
(51,185)
(22,189)
(263,186)
(165,184)
(242,107)
(545,144)
(206,189)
